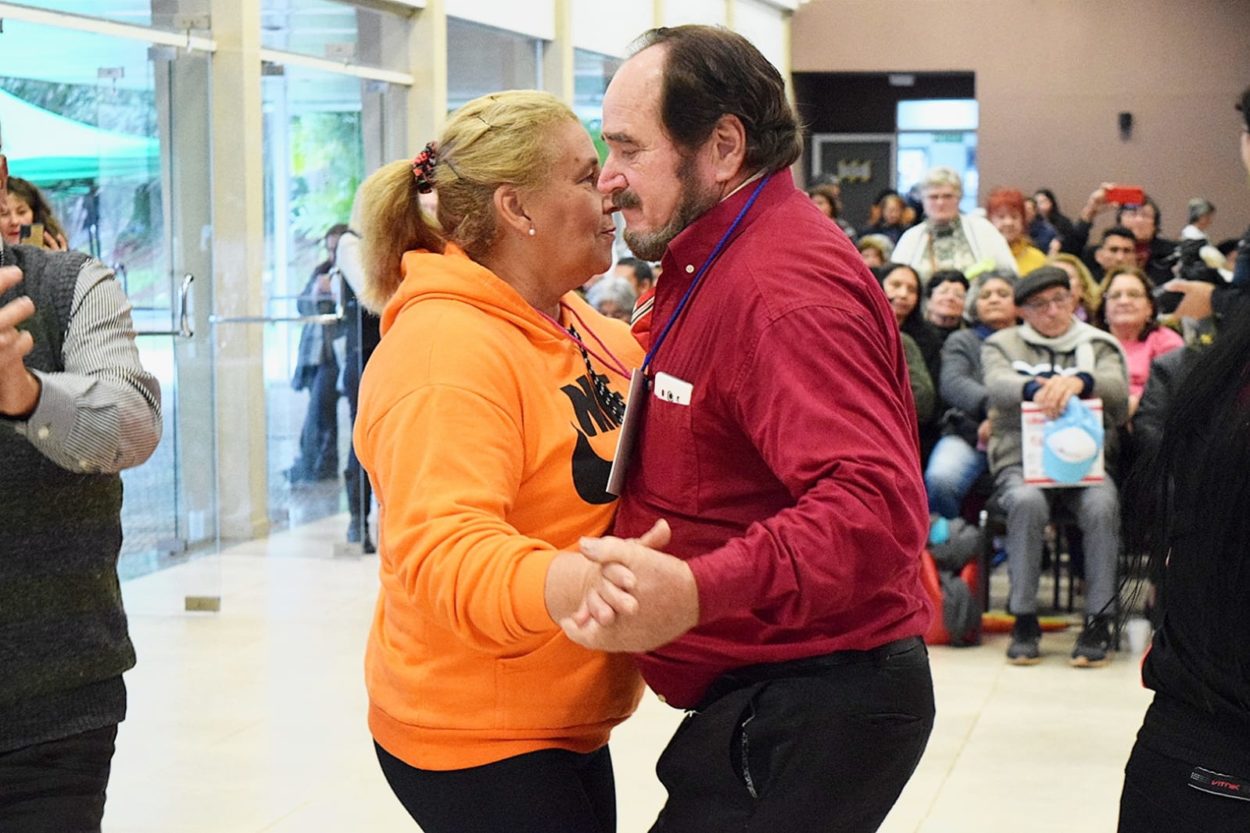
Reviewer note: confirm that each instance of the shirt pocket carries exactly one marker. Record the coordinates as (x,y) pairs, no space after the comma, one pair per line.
(669,462)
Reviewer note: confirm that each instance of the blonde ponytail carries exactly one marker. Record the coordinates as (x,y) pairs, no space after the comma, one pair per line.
(392,224)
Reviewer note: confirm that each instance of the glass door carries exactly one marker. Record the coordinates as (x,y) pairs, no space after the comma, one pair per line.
(95,131)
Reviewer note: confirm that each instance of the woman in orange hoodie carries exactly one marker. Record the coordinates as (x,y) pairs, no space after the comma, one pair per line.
(488,419)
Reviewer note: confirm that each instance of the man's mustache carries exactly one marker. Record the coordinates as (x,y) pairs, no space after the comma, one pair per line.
(625,199)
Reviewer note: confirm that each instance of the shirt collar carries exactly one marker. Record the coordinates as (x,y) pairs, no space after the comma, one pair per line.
(692,246)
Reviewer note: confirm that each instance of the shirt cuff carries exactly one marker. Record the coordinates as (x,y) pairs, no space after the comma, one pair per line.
(723,578)
(1088,381)
(1031,388)
(55,414)
(529,588)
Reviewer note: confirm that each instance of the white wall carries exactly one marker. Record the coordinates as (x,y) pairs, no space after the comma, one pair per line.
(609,27)
(765,26)
(535,18)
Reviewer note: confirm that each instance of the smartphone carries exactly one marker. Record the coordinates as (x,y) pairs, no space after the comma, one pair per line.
(1126,195)
(32,235)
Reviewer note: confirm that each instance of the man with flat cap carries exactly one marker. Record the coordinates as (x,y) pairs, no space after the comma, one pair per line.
(1047,360)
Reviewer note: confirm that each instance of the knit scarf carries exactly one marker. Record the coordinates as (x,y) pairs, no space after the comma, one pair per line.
(1078,339)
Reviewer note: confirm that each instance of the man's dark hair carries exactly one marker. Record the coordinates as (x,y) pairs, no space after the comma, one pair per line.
(942,276)
(710,72)
(642,269)
(1117,231)
(1244,107)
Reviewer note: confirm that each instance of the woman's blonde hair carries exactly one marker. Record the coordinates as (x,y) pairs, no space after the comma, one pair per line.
(1092,294)
(499,139)
(943,177)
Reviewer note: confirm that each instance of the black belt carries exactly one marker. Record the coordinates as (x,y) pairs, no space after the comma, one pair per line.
(802,667)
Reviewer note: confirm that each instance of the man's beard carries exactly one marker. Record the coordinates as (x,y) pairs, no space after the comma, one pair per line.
(694,201)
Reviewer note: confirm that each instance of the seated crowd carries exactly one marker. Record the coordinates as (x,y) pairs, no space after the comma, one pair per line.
(1019,306)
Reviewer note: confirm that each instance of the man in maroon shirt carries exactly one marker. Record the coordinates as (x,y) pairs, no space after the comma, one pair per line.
(779,442)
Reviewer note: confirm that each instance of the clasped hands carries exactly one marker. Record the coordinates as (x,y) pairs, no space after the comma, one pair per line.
(634,597)
(1052,397)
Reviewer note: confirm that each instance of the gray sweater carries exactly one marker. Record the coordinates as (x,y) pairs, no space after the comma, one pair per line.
(1010,362)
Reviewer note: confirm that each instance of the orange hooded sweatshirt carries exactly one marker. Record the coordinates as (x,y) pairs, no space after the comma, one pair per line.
(488,454)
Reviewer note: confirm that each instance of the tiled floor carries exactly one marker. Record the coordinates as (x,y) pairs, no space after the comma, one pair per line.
(252,719)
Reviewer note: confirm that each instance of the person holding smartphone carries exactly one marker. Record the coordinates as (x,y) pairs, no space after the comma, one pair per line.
(26,218)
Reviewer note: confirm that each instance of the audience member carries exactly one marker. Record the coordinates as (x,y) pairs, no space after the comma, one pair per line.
(1048,211)
(947,294)
(1005,209)
(828,198)
(317,371)
(638,272)
(1118,248)
(889,217)
(25,206)
(76,408)
(947,239)
(901,284)
(875,249)
(613,297)
(1085,291)
(1128,311)
(1037,229)
(491,376)
(1201,215)
(1049,359)
(1154,254)
(958,459)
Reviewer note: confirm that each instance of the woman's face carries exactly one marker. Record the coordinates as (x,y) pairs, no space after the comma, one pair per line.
(822,202)
(572,221)
(941,203)
(996,305)
(947,301)
(1127,304)
(872,257)
(1074,283)
(902,289)
(1043,203)
(892,211)
(1009,224)
(14,213)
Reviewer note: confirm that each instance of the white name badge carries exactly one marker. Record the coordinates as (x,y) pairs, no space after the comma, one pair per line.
(672,389)
(629,433)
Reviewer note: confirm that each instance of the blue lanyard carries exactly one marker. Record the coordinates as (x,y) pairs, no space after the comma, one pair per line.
(707,264)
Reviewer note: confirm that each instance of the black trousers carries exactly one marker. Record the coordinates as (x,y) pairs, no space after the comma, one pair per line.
(355,479)
(57,786)
(1158,798)
(548,791)
(819,745)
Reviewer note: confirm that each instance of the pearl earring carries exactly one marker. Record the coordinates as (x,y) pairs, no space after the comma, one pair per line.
(533,231)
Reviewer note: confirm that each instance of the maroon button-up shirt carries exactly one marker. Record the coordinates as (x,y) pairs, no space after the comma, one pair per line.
(792,479)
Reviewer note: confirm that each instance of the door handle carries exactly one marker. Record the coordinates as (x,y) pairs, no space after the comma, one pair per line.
(185,329)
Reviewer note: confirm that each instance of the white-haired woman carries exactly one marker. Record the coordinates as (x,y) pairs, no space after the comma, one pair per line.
(947,239)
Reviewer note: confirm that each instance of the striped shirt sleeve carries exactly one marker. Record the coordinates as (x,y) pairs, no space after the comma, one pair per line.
(103,413)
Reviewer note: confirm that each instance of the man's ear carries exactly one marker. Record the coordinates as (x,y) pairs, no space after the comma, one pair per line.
(510,211)
(728,147)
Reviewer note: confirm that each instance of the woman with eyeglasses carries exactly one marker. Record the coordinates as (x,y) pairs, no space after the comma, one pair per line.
(1128,312)
(947,239)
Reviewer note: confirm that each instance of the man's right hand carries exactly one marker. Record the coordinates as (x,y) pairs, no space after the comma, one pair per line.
(19,389)
(1097,202)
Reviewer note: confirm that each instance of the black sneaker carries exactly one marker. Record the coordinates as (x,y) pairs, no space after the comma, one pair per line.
(358,533)
(1026,635)
(1093,646)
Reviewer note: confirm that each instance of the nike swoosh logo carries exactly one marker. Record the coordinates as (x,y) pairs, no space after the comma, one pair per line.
(590,473)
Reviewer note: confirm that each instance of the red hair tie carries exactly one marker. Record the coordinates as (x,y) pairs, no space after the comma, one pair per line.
(423,168)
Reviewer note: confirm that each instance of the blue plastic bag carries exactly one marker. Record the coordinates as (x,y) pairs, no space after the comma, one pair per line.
(1071,443)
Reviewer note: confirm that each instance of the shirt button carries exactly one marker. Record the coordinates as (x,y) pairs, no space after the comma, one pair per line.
(83,464)
(662,699)
(43,432)
(689,268)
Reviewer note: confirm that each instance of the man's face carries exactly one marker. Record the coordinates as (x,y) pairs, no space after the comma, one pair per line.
(659,189)
(1049,311)
(1140,220)
(1116,251)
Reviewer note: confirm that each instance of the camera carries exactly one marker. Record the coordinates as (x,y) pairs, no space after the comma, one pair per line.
(1187,263)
